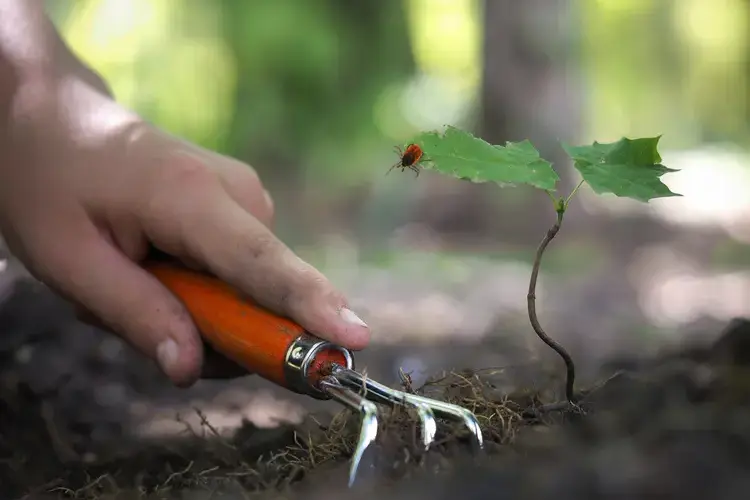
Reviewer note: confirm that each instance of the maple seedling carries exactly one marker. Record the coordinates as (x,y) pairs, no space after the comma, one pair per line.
(628,168)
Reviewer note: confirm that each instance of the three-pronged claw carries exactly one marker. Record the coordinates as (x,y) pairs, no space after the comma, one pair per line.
(383,394)
(358,393)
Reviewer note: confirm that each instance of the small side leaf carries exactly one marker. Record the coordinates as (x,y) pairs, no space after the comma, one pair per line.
(464,156)
(628,168)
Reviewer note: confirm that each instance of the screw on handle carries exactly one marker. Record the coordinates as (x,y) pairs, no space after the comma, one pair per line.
(264,343)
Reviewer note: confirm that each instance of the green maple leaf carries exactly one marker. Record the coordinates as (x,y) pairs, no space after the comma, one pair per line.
(464,156)
(628,168)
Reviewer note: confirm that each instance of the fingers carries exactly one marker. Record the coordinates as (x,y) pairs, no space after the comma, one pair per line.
(240,180)
(245,188)
(261,265)
(125,298)
(211,227)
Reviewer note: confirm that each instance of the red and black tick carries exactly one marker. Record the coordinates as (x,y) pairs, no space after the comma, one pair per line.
(410,158)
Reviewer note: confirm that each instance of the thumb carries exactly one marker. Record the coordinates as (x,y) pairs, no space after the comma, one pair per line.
(127,300)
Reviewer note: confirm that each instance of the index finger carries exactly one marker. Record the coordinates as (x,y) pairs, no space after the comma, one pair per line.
(207,225)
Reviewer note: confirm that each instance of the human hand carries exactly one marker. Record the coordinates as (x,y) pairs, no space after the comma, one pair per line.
(87,187)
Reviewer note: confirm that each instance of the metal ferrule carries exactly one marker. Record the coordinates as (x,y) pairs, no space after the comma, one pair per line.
(299,358)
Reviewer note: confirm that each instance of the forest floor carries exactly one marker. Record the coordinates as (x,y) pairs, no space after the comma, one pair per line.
(673,425)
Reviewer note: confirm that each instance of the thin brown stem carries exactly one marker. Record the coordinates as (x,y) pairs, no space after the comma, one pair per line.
(531,302)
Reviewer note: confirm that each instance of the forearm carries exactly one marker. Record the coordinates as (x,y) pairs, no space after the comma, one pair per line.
(32,60)
(30,47)
(33,55)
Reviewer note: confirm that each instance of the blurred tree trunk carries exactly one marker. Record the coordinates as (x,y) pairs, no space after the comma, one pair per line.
(527,94)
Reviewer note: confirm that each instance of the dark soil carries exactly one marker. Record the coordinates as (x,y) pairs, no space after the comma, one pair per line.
(673,427)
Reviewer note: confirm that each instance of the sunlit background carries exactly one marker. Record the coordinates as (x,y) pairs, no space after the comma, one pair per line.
(315,94)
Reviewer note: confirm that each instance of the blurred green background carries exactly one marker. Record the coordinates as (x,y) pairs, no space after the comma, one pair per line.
(314,94)
(321,88)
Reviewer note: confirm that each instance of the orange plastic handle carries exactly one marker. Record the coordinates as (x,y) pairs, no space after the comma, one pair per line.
(236,327)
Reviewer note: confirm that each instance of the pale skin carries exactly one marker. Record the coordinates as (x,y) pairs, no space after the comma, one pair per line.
(87,187)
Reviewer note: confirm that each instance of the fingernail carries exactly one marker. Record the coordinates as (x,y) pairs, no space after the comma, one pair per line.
(349,316)
(167,355)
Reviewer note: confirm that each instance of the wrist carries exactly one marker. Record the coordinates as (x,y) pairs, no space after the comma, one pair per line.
(30,47)
(50,92)
(34,59)
(29,57)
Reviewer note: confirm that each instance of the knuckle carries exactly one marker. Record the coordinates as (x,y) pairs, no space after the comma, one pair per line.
(178,180)
(246,187)
(189,173)
(312,287)
(244,173)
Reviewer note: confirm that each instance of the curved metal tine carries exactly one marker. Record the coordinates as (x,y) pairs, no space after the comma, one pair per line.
(428,424)
(354,380)
(383,394)
(455,412)
(369,428)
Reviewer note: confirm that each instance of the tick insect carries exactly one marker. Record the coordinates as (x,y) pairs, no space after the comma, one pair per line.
(410,158)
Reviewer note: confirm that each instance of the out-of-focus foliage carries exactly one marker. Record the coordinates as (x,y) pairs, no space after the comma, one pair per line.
(318,92)
(310,91)
(311,75)
(677,67)
(166,59)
